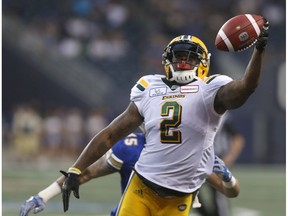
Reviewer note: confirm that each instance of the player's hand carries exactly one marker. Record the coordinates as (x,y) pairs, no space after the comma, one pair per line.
(71,183)
(263,37)
(34,203)
(221,170)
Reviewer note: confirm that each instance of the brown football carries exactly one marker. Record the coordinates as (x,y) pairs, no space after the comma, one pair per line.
(239,33)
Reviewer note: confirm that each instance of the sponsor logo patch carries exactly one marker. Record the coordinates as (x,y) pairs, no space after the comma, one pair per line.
(189,89)
(158,91)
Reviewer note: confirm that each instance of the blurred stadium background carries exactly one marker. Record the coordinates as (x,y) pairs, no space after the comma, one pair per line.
(67,70)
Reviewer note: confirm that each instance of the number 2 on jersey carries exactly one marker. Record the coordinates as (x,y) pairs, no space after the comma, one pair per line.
(174,110)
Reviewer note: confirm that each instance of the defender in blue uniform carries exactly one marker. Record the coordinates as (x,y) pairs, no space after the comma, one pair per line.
(123,157)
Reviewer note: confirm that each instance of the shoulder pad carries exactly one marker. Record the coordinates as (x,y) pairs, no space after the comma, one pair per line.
(220,78)
(210,78)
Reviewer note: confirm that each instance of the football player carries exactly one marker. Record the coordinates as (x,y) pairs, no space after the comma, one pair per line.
(181,113)
(122,158)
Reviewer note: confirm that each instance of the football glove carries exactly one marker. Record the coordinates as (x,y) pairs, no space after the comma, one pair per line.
(35,202)
(263,37)
(71,183)
(221,170)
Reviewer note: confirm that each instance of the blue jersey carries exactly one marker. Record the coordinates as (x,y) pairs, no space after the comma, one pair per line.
(123,156)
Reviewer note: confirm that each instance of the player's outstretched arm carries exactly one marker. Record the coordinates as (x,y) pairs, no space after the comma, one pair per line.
(235,93)
(223,180)
(119,128)
(37,203)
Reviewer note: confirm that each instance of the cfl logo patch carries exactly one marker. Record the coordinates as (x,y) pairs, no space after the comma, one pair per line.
(243,36)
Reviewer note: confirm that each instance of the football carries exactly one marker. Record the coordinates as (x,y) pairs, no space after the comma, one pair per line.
(239,33)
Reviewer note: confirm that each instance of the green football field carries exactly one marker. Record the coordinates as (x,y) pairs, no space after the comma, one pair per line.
(262,190)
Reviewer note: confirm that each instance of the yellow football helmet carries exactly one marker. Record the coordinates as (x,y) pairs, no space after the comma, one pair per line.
(192,47)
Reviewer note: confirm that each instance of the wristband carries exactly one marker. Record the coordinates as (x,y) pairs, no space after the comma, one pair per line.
(74,170)
(230,184)
(49,192)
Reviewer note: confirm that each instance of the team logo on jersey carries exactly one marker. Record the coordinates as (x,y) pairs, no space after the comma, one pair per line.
(158,91)
(189,89)
(182,207)
(173,96)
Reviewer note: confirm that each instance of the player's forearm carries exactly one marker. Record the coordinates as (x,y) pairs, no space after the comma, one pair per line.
(253,71)
(97,147)
(97,169)
(51,191)
(231,189)
(120,127)
(55,188)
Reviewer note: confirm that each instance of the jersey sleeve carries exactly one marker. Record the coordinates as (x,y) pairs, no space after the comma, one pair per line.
(138,92)
(214,83)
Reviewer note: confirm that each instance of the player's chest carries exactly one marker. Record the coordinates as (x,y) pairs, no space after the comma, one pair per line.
(184,96)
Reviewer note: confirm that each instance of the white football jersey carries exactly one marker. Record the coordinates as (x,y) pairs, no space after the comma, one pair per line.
(180,124)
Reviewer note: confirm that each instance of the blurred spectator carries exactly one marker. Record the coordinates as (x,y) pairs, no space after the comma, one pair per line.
(61,132)
(109,47)
(281,85)
(70,47)
(247,6)
(152,52)
(26,133)
(53,129)
(228,145)
(116,14)
(81,28)
(275,12)
(229,142)
(73,132)
(94,123)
